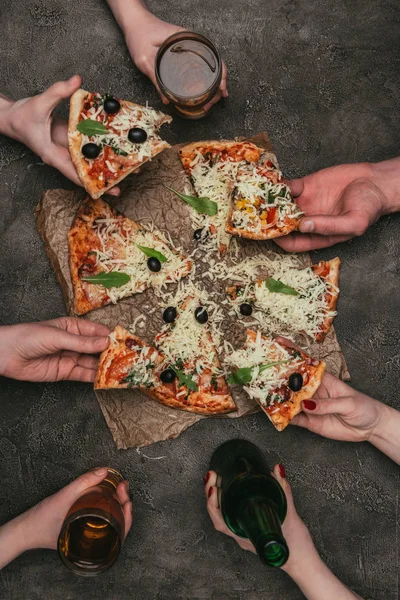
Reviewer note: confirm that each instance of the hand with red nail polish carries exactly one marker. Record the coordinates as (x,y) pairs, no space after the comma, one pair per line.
(341,202)
(304,565)
(39,527)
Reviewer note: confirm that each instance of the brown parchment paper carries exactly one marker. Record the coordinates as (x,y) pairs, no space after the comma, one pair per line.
(134,419)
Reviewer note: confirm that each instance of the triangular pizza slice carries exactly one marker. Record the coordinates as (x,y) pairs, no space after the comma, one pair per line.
(112,257)
(110,138)
(278,377)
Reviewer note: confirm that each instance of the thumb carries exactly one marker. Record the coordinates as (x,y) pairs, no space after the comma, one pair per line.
(58,91)
(83,482)
(331,225)
(329,406)
(83,344)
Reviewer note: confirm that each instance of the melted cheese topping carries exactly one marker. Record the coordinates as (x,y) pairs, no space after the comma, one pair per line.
(255,194)
(119,252)
(186,345)
(264,383)
(285,313)
(118,128)
(214,182)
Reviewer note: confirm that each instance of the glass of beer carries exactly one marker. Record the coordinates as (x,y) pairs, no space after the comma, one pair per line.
(188,71)
(93,530)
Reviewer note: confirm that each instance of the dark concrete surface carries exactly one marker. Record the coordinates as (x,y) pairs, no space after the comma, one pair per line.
(322,78)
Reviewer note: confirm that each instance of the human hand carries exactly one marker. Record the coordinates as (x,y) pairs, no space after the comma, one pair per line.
(302,552)
(40,526)
(52,350)
(143,43)
(339,203)
(31,121)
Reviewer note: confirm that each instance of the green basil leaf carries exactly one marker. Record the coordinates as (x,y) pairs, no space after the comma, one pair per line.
(151,253)
(204,206)
(90,127)
(244,375)
(108,280)
(274,285)
(186,380)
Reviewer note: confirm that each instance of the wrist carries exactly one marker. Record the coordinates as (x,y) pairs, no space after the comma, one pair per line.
(302,568)
(379,432)
(386,176)
(5,116)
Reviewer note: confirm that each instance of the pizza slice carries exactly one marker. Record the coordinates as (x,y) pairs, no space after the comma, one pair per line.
(279,378)
(212,167)
(291,299)
(112,257)
(190,352)
(109,138)
(129,362)
(262,207)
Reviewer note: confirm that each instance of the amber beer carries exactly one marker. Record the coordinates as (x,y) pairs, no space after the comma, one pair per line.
(93,531)
(252,502)
(188,71)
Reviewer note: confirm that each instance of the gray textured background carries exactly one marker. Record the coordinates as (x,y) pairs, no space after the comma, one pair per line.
(321,77)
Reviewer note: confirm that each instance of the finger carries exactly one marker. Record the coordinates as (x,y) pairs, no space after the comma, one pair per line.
(301,420)
(86,361)
(328,225)
(59,131)
(84,344)
(82,483)
(127,510)
(60,158)
(58,91)
(210,480)
(301,242)
(214,100)
(115,191)
(223,84)
(279,472)
(296,186)
(343,406)
(80,326)
(78,373)
(123,492)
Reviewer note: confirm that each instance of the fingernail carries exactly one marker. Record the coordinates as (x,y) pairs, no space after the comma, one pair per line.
(282,471)
(210,491)
(206,477)
(100,471)
(309,404)
(307,226)
(126,484)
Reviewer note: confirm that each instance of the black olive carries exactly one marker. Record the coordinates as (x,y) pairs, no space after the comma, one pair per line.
(296,382)
(154,264)
(169,314)
(246,309)
(168,376)
(198,234)
(201,315)
(111,106)
(137,135)
(90,150)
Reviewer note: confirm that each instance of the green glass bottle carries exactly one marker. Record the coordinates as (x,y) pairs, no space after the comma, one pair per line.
(252,502)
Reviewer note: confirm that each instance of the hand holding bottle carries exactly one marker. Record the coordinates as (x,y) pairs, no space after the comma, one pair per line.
(304,564)
(39,527)
(53,350)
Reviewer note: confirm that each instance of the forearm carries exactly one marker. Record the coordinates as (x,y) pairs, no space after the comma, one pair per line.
(317,581)
(386,176)
(386,435)
(12,540)
(129,14)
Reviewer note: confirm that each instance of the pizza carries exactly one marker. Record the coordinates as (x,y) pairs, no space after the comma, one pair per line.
(113,257)
(278,377)
(292,300)
(262,207)
(109,138)
(129,362)
(212,167)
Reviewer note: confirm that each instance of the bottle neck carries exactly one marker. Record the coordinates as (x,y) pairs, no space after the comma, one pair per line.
(261,524)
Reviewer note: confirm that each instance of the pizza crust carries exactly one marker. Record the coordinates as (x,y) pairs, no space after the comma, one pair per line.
(251,152)
(332,278)
(77,102)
